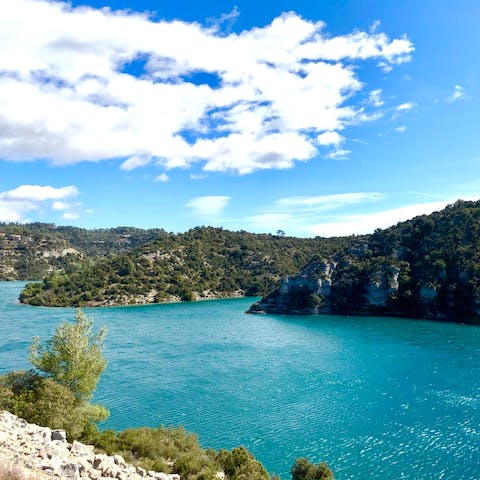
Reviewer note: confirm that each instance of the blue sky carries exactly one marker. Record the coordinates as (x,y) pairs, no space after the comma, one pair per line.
(317,118)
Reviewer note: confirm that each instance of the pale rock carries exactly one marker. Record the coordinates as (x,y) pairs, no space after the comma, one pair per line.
(119,460)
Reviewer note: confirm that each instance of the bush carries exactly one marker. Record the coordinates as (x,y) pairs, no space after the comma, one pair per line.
(57,395)
(164,449)
(304,469)
(240,464)
(42,401)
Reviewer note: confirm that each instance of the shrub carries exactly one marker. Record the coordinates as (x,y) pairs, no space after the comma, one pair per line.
(304,469)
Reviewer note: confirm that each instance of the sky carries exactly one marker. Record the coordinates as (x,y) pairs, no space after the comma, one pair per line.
(313,117)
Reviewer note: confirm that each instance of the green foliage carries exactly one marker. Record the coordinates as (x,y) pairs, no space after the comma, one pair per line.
(42,401)
(240,464)
(73,357)
(34,250)
(304,469)
(202,262)
(302,299)
(58,394)
(173,450)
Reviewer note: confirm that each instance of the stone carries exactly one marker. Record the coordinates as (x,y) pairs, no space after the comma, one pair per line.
(119,460)
(45,455)
(59,435)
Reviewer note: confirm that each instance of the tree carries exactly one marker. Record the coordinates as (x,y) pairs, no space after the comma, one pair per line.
(304,469)
(240,464)
(57,396)
(73,357)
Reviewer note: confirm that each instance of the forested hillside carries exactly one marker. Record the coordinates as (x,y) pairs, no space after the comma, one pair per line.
(204,262)
(34,250)
(428,267)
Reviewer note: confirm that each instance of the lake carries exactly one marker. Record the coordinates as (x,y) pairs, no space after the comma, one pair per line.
(376,398)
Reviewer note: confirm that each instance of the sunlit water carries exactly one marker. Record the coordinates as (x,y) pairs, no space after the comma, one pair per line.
(377,398)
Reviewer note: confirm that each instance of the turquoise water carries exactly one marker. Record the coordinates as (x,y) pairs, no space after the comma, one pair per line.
(377,398)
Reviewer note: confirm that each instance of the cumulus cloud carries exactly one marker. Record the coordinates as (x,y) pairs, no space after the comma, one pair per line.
(236,102)
(16,204)
(38,193)
(401,129)
(60,205)
(457,94)
(330,138)
(208,206)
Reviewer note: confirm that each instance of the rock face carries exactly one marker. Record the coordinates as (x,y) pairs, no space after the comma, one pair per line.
(347,285)
(41,453)
(329,286)
(427,267)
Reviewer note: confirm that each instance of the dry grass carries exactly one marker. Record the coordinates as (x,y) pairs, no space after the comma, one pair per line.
(10,472)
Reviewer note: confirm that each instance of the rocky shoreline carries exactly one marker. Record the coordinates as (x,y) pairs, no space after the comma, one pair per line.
(40,453)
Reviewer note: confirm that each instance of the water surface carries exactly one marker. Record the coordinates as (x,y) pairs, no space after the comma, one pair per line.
(377,398)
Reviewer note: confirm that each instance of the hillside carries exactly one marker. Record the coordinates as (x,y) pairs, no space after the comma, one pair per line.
(204,262)
(33,251)
(428,267)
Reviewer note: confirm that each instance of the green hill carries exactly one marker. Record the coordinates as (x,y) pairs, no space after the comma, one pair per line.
(204,262)
(33,251)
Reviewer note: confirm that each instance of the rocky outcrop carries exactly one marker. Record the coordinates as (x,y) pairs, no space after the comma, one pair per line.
(344,286)
(329,286)
(40,453)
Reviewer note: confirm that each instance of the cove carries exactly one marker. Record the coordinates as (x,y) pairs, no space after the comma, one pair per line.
(378,398)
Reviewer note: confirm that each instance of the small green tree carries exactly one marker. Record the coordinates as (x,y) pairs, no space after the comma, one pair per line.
(240,464)
(73,357)
(304,469)
(58,394)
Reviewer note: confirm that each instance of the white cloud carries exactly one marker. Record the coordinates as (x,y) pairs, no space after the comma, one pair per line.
(16,204)
(457,94)
(338,154)
(60,205)
(401,129)
(38,193)
(375,98)
(405,106)
(70,216)
(135,162)
(208,206)
(163,177)
(329,202)
(66,94)
(198,176)
(368,222)
(297,214)
(330,138)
